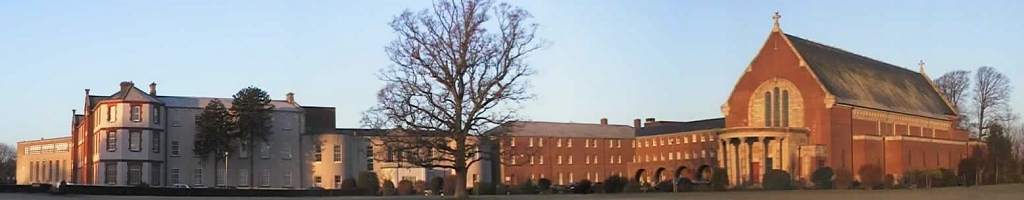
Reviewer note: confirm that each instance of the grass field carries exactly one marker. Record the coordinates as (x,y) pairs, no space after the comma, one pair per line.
(1015,192)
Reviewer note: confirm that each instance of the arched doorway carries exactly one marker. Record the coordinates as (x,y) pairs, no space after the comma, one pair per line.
(703,172)
(657,174)
(638,175)
(679,174)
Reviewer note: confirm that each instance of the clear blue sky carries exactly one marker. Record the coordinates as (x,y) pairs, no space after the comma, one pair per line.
(672,60)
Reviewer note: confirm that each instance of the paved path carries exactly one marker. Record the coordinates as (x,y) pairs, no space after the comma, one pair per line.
(996,192)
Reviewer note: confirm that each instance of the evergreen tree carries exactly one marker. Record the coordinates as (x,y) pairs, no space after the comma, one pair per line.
(213,132)
(252,110)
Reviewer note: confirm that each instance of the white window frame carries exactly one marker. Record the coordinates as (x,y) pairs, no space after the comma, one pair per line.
(287,179)
(175,176)
(197,176)
(265,178)
(175,148)
(136,115)
(243,177)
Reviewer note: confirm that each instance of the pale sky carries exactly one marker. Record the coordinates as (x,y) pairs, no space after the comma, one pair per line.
(671,60)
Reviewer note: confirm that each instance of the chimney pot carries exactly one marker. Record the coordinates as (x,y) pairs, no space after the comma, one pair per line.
(126,84)
(604,121)
(152,89)
(636,123)
(87,91)
(290,97)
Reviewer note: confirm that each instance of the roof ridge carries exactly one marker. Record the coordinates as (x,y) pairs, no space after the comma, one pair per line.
(572,123)
(849,52)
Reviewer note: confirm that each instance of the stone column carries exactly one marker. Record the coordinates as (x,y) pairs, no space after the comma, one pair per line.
(782,156)
(750,158)
(722,159)
(735,171)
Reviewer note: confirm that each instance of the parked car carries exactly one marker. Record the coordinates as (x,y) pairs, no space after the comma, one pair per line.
(227,187)
(179,185)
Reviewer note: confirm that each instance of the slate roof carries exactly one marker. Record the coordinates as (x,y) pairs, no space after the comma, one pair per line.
(681,127)
(861,81)
(571,130)
(200,102)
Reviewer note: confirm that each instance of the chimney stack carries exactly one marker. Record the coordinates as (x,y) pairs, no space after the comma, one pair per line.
(86,91)
(290,97)
(636,123)
(126,84)
(604,121)
(152,89)
(650,120)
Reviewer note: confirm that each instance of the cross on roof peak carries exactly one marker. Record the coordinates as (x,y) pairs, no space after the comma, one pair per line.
(920,65)
(776,17)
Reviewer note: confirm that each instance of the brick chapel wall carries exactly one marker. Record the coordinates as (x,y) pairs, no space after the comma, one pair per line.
(840,147)
(685,153)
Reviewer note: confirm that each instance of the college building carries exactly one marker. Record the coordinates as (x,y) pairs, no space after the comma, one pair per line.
(798,106)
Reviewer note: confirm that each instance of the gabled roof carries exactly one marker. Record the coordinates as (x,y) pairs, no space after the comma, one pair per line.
(861,81)
(569,130)
(129,92)
(681,127)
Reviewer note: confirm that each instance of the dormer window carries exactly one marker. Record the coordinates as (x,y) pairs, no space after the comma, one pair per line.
(136,113)
(111,111)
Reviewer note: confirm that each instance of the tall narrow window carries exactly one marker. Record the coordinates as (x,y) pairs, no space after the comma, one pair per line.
(155,174)
(197,176)
(111,111)
(156,115)
(175,176)
(136,113)
(134,173)
(111,176)
(287,182)
(785,108)
(175,151)
(265,178)
(316,153)
(767,109)
(337,153)
(243,177)
(775,112)
(265,151)
(156,142)
(111,141)
(135,141)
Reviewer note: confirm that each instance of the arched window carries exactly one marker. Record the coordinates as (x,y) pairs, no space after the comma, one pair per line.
(767,108)
(776,105)
(785,108)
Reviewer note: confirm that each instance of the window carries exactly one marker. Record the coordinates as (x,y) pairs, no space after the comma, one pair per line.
(686,140)
(542,159)
(785,108)
(671,157)
(111,112)
(136,113)
(316,153)
(559,160)
(337,153)
(586,142)
(610,144)
(175,176)
(155,174)
(221,177)
(156,115)
(540,142)
(243,152)
(243,177)
(595,159)
(265,178)
(703,153)
(317,180)
(197,176)
(513,159)
(559,144)
(156,142)
(111,176)
(775,109)
(611,159)
(265,151)
(337,181)
(174,149)
(618,143)
(587,158)
(286,152)
(287,182)
(569,142)
(134,173)
(513,142)
(135,141)
(560,181)
(619,158)
(531,142)
(767,108)
(595,143)
(570,159)
(111,141)
(531,160)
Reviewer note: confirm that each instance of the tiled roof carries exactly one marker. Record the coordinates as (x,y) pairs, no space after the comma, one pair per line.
(680,127)
(578,130)
(861,81)
(200,102)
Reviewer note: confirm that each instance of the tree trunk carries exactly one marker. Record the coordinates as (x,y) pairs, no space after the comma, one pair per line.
(460,183)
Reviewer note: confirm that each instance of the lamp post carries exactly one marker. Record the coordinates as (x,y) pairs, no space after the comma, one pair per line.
(225,168)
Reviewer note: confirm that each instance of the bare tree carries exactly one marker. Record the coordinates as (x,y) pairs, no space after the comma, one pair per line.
(457,71)
(8,165)
(955,86)
(991,93)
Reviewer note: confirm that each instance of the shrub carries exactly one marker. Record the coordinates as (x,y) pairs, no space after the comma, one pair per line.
(405,188)
(583,187)
(544,185)
(419,186)
(822,178)
(870,176)
(484,188)
(664,186)
(369,183)
(720,179)
(777,180)
(436,185)
(449,184)
(889,182)
(348,184)
(968,170)
(914,178)
(843,179)
(598,188)
(934,178)
(614,184)
(684,185)
(526,187)
(388,189)
(632,186)
(645,186)
(948,177)
(501,189)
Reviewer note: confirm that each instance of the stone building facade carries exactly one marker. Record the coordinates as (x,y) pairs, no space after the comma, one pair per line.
(46,160)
